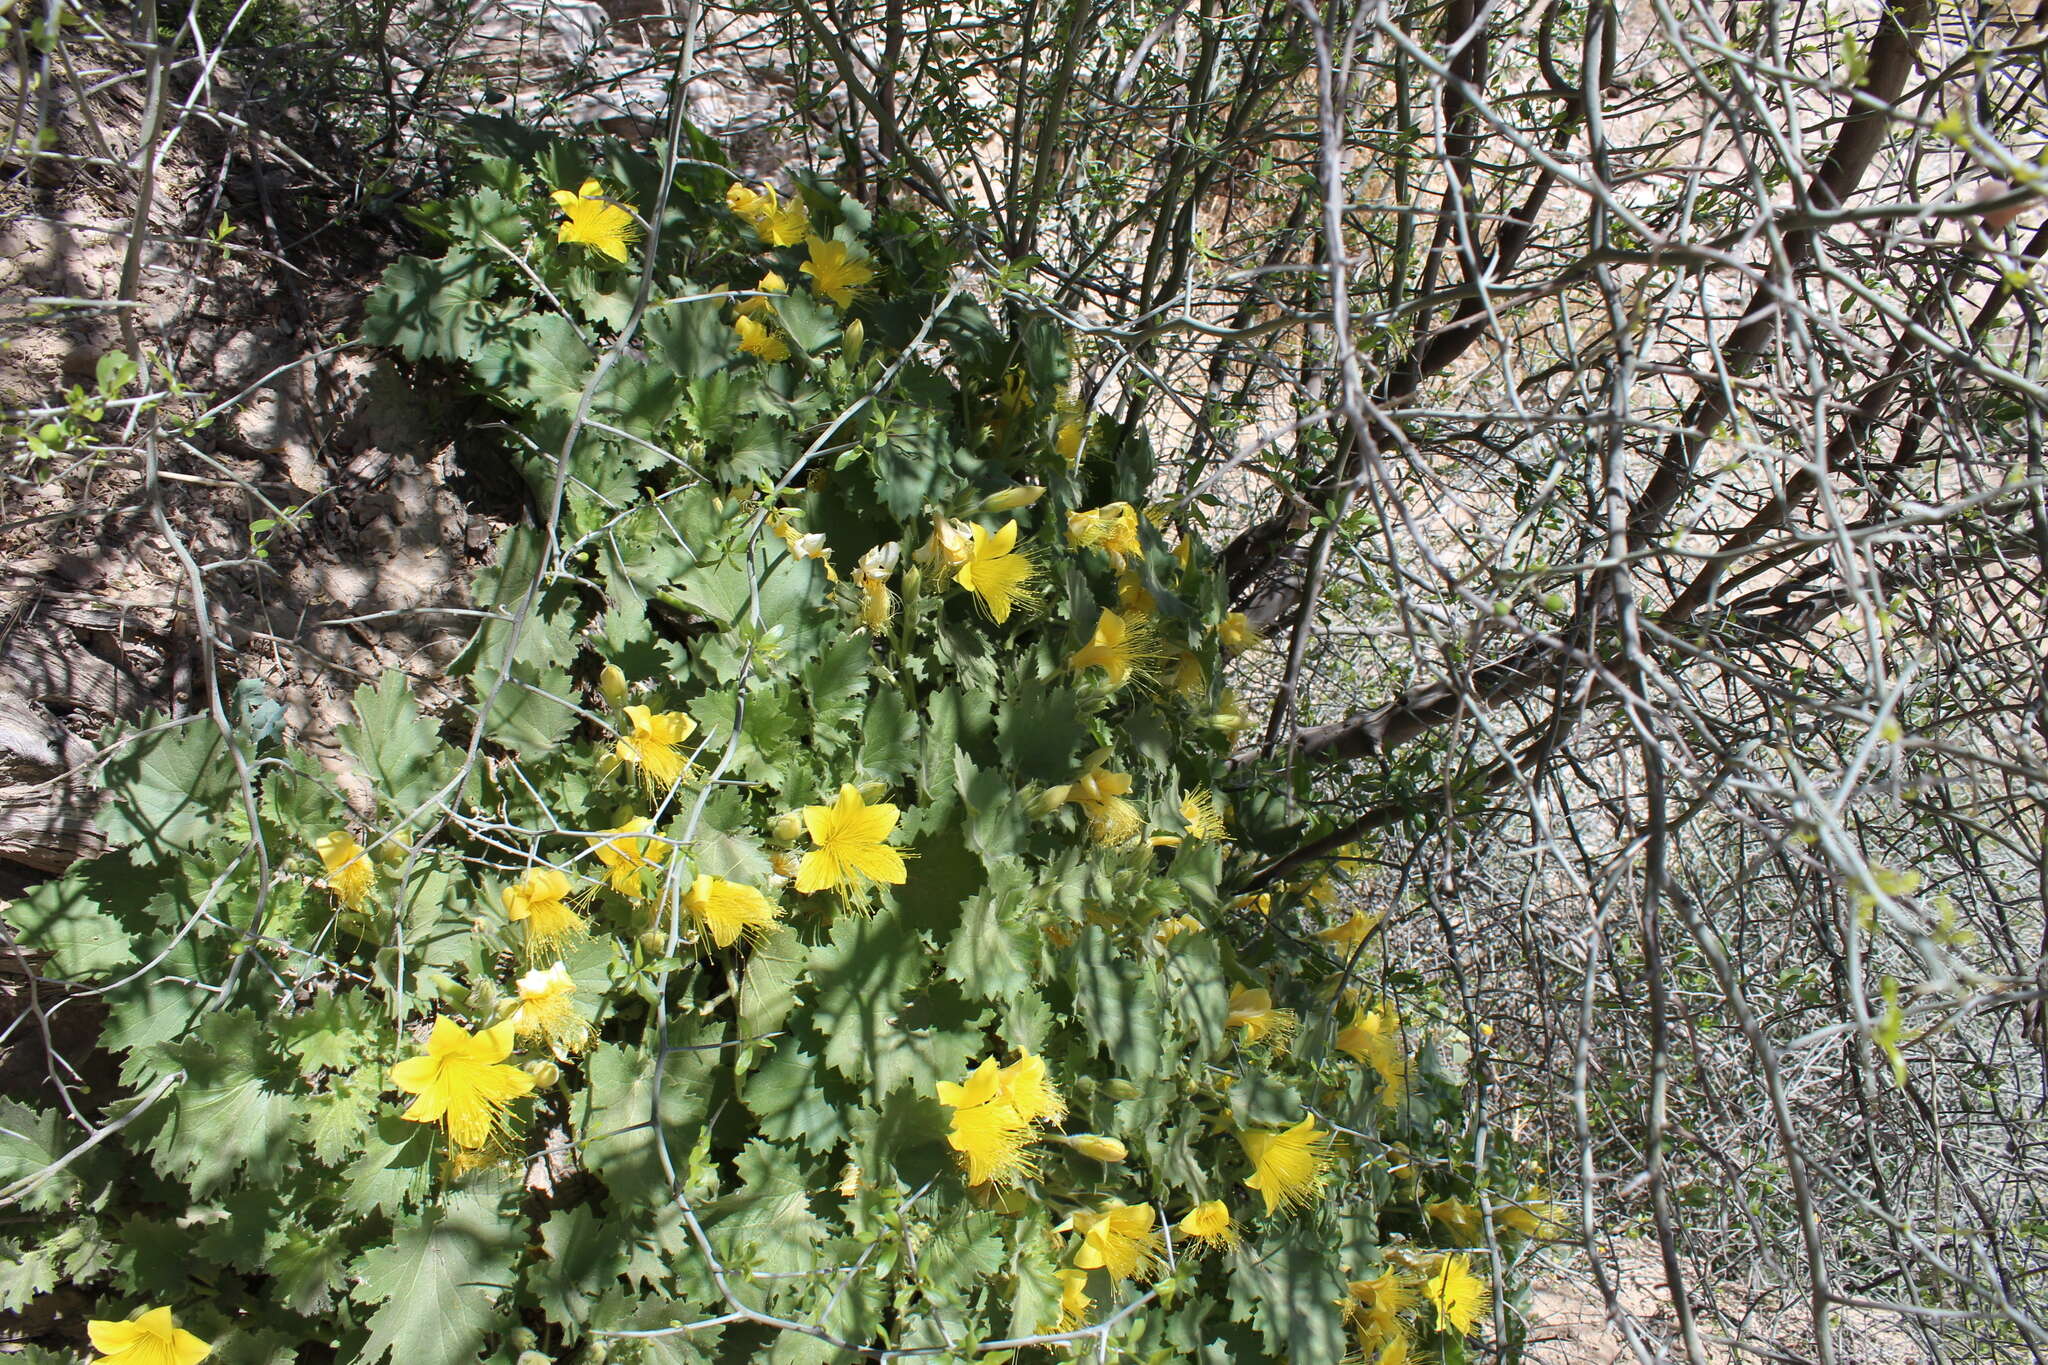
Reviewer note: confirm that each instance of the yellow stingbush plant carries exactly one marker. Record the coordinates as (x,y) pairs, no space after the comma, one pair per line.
(767,965)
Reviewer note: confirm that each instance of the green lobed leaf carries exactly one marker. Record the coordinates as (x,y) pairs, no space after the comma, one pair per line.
(440,1286)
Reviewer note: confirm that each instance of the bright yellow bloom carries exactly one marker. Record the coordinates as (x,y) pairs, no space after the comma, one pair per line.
(950,544)
(996,573)
(1535,1215)
(152,1339)
(1025,1085)
(1190,681)
(1120,1239)
(655,746)
(1097,1147)
(1288,1167)
(1259,904)
(462,1081)
(877,604)
(756,339)
(1133,598)
(1111,528)
(779,224)
(1173,928)
(541,899)
(1351,935)
(992,1138)
(546,1009)
(1252,1011)
(1100,793)
(351,876)
(850,851)
(1238,634)
(1209,1223)
(1374,1038)
(834,276)
(1460,1219)
(1074,1300)
(1459,1297)
(627,852)
(604,225)
(1010,499)
(1204,821)
(728,911)
(1068,442)
(1397,1349)
(1119,647)
(771,283)
(1377,1304)
(1229,716)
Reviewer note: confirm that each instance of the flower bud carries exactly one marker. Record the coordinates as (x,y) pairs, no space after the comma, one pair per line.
(787,864)
(395,849)
(545,1073)
(1010,499)
(1120,1089)
(853,340)
(654,943)
(788,827)
(880,562)
(521,1339)
(872,792)
(612,682)
(1096,1146)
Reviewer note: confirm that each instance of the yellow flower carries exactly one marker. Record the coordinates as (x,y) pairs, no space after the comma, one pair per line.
(1259,904)
(1229,716)
(1377,1304)
(850,850)
(1288,1167)
(1096,1147)
(1397,1349)
(605,226)
(462,1081)
(728,911)
(1374,1039)
(992,1138)
(546,1010)
(1459,1297)
(1111,528)
(1238,634)
(1120,1239)
(541,899)
(1190,680)
(1133,596)
(756,339)
(1119,648)
(1068,442)
(1010,499)
(1460,1219)
(1252,1011)
(351,876)
(1204,821)
(654,747)
(877,604)
(1074,1300)
(779,224)
(832,275)
(950,544)
(1100,793)
(1175,927)
(1209,1223)
(1351,935)
(152,1339)
(1025,1085)
(996,573)
(1534,1215)
(626,852)
(771,283)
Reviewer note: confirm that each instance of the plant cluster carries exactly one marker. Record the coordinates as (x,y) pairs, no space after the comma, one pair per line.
(820,935)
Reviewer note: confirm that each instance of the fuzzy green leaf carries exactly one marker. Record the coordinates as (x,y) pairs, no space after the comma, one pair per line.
(440,1285)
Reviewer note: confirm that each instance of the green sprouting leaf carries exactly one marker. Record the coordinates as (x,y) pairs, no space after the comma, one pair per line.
(585,1256)
(835,682)
(538,360)
(993,952)
(30,1141)
(1121,1003)
(396,1169)
(168,788)
(797,1100)
(691,338)
(441,1285)
(485,214)
(618,1124)
(1040,733)
(531,712)
(769,1225)
(858,981)
(768,990)
(811,324)
(888,736)
(26,1274)
(232,1110)
(64,918)
(399,749)
(1290,1281)
(641,398)
(436,309)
